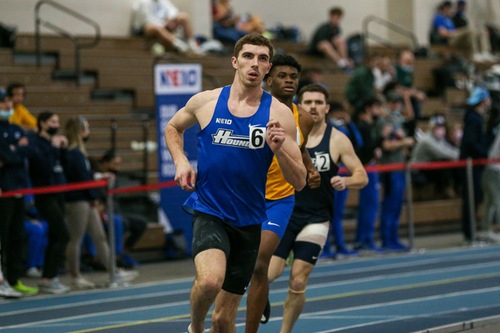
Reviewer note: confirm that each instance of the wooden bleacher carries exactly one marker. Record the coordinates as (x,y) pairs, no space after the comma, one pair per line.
(125,65)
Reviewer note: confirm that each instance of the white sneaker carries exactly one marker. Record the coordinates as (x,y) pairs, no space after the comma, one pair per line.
(54,287)
(194,47)
(7,291)
(34,272)
(80,283)
(126,276)
(181,46)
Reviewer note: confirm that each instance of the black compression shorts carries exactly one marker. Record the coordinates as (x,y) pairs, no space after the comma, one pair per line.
(241,246)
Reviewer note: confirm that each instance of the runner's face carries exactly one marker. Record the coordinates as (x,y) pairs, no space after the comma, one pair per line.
(283,82)
(315,103)
(252,64)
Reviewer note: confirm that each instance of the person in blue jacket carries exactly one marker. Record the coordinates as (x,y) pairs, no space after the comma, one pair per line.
(48,153)
(13,176)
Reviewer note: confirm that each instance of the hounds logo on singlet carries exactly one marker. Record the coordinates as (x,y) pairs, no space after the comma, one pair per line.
(255,140)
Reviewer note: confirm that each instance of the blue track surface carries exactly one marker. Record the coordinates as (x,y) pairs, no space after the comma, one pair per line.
(394,293)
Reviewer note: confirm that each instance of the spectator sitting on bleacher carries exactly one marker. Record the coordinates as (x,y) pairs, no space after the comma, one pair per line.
(132,226)
(432,146)
(404,77)
(328,41)
(361,85)
(160,19)
(475,43)
(229,27)
(460,19)
(21,117)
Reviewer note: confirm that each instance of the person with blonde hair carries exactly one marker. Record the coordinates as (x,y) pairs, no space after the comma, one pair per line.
(81,207)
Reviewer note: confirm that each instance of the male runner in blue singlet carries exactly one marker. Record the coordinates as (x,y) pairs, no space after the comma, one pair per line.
(242,127)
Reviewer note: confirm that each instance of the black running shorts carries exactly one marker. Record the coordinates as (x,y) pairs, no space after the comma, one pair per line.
(241,246)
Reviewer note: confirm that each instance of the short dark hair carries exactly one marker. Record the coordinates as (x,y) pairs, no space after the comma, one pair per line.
(253,39)
(15,85)
(285,60)
(336,11)
(370,102)
(313,87)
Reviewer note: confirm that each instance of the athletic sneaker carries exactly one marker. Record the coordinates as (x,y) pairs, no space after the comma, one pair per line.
(34,272)
(81,283)
(24,289)
(54,287)
(267,313)
(126,276)
(7,291)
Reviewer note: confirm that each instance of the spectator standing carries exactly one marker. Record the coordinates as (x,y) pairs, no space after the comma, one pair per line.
(369,154)
(46,169)
(229,27)
(21,117)
(328,41)
(13,176)
(36,238)
(308,228)
(491,186)
(474,146)
(394,142)
(340,120)
(81,207)
(244,124)
(432,146)
(160,19)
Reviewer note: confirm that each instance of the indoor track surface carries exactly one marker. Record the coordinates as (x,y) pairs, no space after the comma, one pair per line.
(396,293)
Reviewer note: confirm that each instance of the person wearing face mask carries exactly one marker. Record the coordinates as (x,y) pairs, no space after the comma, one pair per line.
(13,176)
(394,143)
(404,77)
(474,145)
(22,116)
(430,147)
(46,162)
(81,207)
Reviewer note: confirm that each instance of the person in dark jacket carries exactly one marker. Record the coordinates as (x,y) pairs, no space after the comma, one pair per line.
(474,146)
(81,207)
(13,176)
(46,169)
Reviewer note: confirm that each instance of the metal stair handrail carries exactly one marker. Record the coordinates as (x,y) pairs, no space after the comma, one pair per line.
(79,44)
(389,25)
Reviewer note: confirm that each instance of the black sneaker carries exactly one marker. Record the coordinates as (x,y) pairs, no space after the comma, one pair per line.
(267,313)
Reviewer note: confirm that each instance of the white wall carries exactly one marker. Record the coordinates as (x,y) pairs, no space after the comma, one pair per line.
(114,15)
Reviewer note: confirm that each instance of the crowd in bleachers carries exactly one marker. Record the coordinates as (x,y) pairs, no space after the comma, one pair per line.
(381,113)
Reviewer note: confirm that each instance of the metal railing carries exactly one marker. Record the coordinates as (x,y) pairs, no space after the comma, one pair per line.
(77,41)
(370,19)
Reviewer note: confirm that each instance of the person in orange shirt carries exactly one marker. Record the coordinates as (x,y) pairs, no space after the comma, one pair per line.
(21,117)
